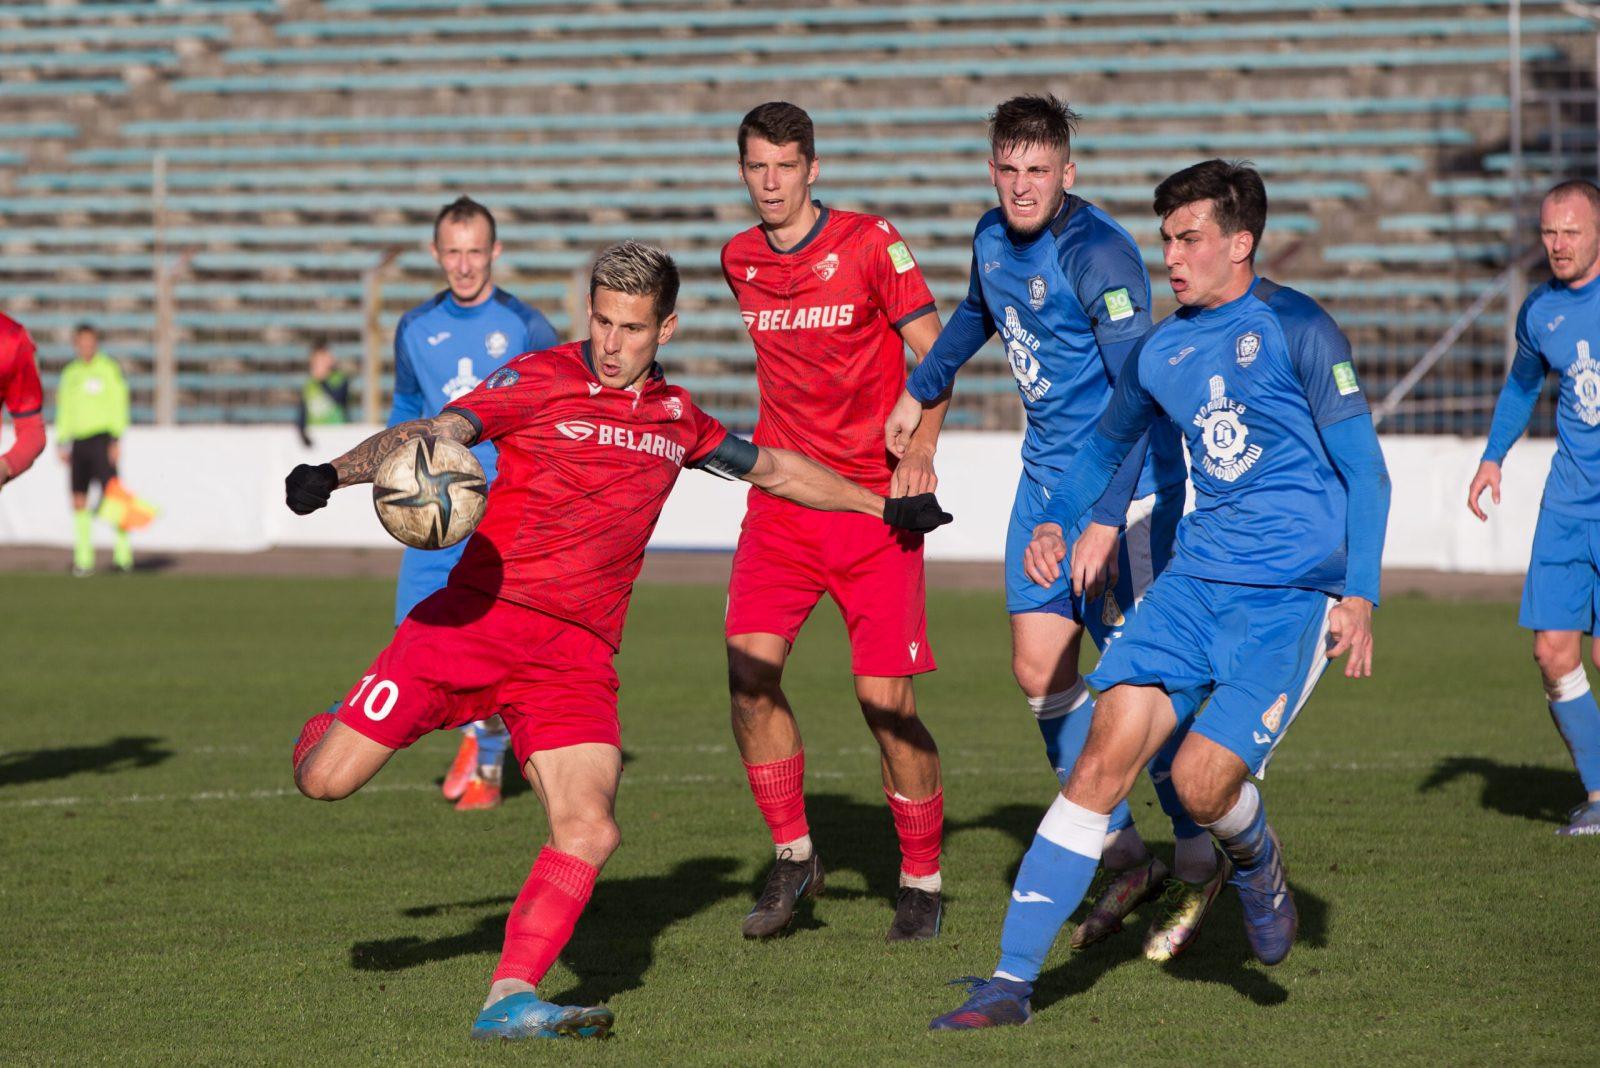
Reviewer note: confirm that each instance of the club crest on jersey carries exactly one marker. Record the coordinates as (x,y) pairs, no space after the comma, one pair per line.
(827,266)
(503,377)
(576,429)
(496,344)
(464,382)
(1021,349)
(1037,291)
(749,274)
(1272,718)
(674,408)
(1246,347)
(1111,612)
(1585,373)
(1225,436)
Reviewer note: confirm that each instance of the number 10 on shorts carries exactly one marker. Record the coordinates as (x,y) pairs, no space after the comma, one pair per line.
(380,699)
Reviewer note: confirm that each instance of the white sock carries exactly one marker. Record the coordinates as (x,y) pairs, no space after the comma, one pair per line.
(1123,849)
(1194,860)
(799,849)
(931,883)
(1237,819)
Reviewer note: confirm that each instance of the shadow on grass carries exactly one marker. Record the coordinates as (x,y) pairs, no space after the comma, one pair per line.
(851,836)
(613,946)
(109,758)
(1534,793)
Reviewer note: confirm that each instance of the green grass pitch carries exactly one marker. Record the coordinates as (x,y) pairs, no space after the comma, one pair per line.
(166,897)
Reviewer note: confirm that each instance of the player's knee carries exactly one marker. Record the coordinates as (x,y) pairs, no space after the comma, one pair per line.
(590,837)
(319,782)
(1098,782)
(1203,795)
(1556,656)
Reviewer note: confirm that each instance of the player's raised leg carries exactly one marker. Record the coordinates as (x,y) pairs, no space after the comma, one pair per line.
(1130,725)
(1572,706)
(911,781)
(577,785)
(775,764)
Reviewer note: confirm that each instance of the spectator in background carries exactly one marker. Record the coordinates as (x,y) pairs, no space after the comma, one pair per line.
(325,394)
(22,397)
(91,416)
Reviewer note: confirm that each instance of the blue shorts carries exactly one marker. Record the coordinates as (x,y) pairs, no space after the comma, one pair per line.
(1562,590)
(422,573)
(1258,651)
(1142,554)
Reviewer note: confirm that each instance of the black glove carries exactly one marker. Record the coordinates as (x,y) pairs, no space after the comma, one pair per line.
(307,488)
(919,514)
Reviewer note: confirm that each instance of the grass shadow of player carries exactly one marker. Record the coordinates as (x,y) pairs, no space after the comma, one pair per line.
(108,758)
(1522,790)
(851,836)
(613,946)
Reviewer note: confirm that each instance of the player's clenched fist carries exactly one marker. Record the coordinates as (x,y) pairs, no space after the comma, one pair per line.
(308,488)
(1041,560)
(902,423)
(918,514)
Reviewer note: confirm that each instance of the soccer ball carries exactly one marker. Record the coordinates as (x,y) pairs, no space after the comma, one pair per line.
(430,493)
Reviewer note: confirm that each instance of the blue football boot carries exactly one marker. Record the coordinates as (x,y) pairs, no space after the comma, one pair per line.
(990,1003)
(1270,918)
(1585,819)
(524,1015)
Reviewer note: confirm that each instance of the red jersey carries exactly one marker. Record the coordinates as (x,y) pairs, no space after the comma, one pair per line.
(583,474)
(825,317)
(19,375)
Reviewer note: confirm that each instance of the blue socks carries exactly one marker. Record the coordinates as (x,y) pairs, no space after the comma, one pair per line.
(1242,831)
(491,748)
(1055,875)
(1064,720)
(1572,706)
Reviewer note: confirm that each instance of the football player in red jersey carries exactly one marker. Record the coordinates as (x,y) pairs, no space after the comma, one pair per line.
(831,299)
(22,396)
(591,439)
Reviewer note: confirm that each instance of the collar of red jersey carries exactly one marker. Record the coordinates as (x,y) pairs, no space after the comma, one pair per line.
(811,235)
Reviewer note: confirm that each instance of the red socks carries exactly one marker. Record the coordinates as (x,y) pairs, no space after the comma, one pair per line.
(920,828)
(544,915)
(779,789)
(310,735)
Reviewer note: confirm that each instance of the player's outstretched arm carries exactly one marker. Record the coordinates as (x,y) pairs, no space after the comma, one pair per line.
(792,476)
(308,488)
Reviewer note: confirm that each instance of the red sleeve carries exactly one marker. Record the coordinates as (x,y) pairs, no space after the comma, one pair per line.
(23,396)
(708,433)
(896,280)
(28,446)
(507,400)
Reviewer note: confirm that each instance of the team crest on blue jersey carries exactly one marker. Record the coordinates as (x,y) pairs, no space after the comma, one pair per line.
(1225,435)
(1021,349)
(1037,291)
(1246,348)
(1585,372)
(503,377)
(496,344)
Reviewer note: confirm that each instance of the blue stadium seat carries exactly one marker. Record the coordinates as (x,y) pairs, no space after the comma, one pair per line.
(112,33)
(52,61)
(62,87)
(153,10)
(37,131)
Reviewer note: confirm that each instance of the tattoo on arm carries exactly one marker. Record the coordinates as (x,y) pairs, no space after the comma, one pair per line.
(361,463)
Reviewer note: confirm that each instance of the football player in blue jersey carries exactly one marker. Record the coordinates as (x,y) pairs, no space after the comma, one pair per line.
(442,349)
(1067,290)
(1558,330)
(1275,572)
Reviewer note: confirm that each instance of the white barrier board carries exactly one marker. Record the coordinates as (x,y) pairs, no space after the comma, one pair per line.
(221,489)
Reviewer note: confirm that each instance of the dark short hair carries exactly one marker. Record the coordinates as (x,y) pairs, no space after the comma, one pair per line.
(318,344)
(1577,187)
(780,123)
(86,328)
(1235,190)
(638,270)
(464,209)
(1032,119)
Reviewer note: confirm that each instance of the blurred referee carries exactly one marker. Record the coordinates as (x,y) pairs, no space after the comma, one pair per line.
(91,416)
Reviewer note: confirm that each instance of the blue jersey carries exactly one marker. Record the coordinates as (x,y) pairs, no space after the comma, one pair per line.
(1558,329)
(1069,305)
(1252,385)
(442,350)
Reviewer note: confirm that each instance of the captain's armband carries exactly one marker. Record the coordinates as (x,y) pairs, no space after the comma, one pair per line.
(732,460)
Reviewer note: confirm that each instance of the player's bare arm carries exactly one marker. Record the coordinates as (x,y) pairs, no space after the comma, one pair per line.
(1487,478)
(915,474)
(361,463)
(307,488)
(1350,628)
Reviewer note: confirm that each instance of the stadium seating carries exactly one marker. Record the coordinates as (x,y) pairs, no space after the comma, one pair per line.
(302,141)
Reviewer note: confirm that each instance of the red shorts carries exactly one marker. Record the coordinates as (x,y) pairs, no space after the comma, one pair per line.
(462,655)
(789,556)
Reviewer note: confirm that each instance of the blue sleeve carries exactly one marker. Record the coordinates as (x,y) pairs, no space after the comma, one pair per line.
(1111,283)
(1320,354)
(1123,426)
(1519,395)
(1112,508)
(407,404)
(1352,445)
(964,333)
(538,332)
